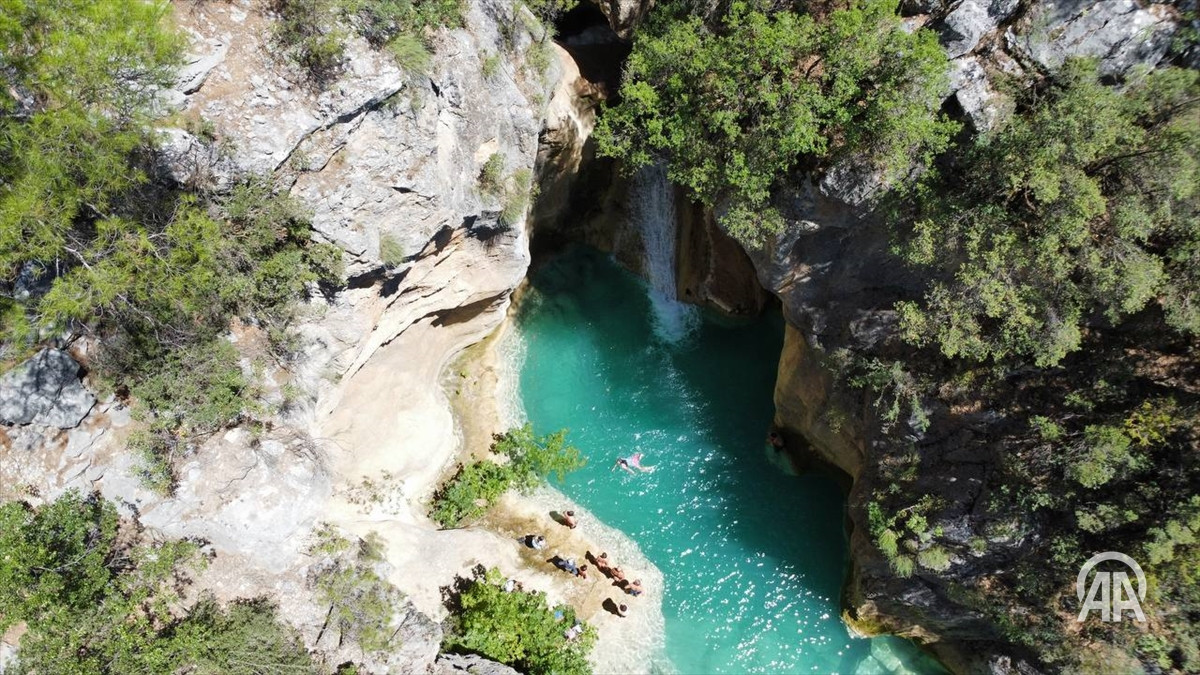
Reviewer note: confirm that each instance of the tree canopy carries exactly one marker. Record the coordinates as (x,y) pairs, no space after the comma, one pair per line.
(1083,208)
(734,104)
(96,600)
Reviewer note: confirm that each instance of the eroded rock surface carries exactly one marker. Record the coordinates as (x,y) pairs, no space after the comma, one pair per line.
(45,390)
(1119,33)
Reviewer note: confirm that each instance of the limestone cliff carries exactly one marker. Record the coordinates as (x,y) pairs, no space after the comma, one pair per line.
(387,162)
(832,271)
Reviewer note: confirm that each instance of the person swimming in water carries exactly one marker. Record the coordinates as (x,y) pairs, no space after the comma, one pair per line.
(632,462)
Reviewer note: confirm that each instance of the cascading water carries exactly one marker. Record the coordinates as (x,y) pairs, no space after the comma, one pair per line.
(652,212)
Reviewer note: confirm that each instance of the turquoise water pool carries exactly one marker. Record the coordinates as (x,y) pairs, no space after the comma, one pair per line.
(753,558)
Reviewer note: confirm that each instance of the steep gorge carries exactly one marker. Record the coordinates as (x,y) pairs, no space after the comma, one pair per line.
(389,159)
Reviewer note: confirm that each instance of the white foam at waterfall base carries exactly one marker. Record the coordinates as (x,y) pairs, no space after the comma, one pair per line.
(511,352)
(652,212)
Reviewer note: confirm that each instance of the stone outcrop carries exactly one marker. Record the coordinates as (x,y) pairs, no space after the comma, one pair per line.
(967,23)
(471,664)
(713,269)
(376,155)
(1119,33)
(45,390)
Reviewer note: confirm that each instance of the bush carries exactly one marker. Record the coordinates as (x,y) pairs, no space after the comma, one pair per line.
(518,629)
(491,176)
(96,600)
(362,603)
(736,103)
(934,558)
(411,53)
(1082,204)
(538,57)
(309,35)
(470,492)
(529,460)
(490,66)
(390,251)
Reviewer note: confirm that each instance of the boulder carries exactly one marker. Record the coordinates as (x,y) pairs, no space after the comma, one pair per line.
(966,24)
(452,664)
(981,104)
(45,390)
(1120,33)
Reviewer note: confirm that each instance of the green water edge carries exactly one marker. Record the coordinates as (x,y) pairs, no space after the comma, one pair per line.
(753,558)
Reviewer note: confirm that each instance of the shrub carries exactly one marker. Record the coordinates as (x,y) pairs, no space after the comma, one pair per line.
(97,600)
(735,103)
(518,629)
(491,175)
(390,251)
(411,53)
(309,35)
(490,66)
(470,492)
(362,603)
(935,558)
(529,460)
(1099,182)
(538,56)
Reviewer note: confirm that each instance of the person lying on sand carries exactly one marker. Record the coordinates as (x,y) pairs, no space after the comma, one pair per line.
(567,565)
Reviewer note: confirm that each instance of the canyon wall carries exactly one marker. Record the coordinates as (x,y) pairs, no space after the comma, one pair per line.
(836,280)
(387,163)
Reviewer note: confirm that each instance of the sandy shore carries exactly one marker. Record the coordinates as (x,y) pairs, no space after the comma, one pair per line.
(480,388)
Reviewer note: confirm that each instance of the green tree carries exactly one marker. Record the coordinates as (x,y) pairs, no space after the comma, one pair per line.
(361,602)
(525,462)
(97,600)
(1084,203)
(518,629)
(736,104)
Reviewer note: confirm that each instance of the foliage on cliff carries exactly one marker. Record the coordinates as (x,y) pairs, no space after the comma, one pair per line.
(1057,352)
(313,33)
(91,243)
(517,628)
(362,604)
(737,103)
(1085,203)
(96,600)
(524,461)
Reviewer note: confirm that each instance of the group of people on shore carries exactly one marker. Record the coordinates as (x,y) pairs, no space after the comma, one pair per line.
(601,562)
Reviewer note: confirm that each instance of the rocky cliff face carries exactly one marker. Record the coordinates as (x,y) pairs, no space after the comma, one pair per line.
(387,162)
(832,272)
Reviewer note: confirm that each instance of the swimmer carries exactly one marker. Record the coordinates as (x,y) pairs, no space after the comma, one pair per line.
(632,462)
(775,440)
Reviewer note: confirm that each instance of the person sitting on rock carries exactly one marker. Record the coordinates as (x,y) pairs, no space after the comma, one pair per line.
(634,588)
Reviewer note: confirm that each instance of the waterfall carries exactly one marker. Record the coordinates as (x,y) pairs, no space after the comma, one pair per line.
(652,212)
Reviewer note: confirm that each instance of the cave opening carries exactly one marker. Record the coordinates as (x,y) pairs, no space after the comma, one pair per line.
(599,52)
